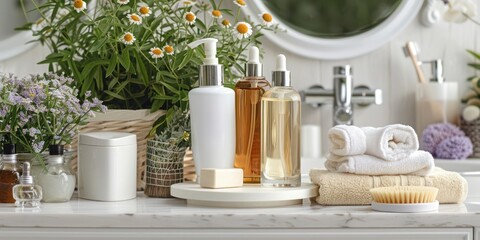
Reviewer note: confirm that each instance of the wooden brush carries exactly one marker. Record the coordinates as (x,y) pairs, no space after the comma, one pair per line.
(404,194)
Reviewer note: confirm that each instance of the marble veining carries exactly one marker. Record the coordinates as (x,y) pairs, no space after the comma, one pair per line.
(144,212)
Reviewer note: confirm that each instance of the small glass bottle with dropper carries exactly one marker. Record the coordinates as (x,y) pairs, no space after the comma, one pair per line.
(27,194)
(280,133)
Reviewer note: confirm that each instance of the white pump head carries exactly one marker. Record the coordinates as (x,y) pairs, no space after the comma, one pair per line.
(210,45)
(211,73)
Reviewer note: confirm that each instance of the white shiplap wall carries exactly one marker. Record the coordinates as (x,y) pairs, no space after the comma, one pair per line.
(385,68)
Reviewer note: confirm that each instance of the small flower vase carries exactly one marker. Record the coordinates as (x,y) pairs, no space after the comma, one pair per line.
(164,168)
(57,182)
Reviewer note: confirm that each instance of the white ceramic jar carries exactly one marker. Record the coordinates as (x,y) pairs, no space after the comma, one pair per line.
(107,166)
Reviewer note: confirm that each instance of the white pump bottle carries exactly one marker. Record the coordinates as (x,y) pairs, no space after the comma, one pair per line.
(212,114)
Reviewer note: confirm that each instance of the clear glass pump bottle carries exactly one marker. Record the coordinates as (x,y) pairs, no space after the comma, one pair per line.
(248,94)
(27,194)
(280,133)
(9,173)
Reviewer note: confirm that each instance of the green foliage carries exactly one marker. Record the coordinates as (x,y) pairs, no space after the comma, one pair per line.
(87,45)
(177,130)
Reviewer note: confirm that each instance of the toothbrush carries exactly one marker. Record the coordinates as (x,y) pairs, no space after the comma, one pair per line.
(411,50)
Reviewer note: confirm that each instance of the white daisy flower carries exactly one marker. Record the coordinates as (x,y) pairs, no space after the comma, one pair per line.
(189,18)
(226,23)
(156,52)
(144,10)
(79,5)
(128,38)
(240,3)
(186,3)
(242,30)
(134,19)
(123,2)
(216,13)
(169,50)
(266,18)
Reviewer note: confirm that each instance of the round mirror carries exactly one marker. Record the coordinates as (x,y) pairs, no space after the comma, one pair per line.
(336,29)
(12,16)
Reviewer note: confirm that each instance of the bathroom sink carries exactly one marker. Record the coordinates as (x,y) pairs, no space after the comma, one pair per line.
(470,170)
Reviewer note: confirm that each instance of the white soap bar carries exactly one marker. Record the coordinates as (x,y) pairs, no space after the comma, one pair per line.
(221,178)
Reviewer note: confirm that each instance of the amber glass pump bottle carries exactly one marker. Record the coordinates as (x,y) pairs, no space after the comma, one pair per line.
(248,94)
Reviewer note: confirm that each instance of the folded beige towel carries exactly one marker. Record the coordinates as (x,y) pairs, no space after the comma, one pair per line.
(353,189)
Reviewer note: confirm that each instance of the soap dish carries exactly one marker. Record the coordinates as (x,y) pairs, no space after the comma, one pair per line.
(406,207)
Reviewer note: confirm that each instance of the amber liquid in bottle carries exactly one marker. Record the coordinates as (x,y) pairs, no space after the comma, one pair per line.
(248,95)
(9,177)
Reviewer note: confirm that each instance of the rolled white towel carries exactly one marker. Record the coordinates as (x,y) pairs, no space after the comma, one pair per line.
(419,163)
(392,142)
(347,140)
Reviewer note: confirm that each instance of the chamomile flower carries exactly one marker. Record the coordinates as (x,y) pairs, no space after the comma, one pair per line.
(226,23)
(123,2)
(128,38)
(240,3)
(186,3)
(266,18)
(168,49)
(79,5)
(216,13)
(134,19)
(242,30)
(156,52)
(144,10)
(189,18)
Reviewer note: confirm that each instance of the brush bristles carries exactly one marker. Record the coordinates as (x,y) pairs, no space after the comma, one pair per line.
(407,194)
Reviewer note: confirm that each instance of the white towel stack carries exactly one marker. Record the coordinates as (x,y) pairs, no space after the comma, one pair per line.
(389,150)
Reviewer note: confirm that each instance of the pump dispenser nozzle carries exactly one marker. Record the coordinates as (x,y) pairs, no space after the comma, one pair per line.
(211,73)
(281,76)
(253,68)
(210,45)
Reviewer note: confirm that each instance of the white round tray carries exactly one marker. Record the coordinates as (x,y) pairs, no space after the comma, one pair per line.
(250,195)
(405,208)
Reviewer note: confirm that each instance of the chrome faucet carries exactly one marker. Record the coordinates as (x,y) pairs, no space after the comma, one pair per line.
(342,95)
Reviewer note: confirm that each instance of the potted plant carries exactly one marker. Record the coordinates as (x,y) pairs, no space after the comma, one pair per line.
(134,54)
(165,153)
(42,110)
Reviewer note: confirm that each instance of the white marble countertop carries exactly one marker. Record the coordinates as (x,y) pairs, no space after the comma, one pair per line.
(144,212)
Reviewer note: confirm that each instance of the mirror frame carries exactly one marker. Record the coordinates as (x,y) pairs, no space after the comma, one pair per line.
(343,48)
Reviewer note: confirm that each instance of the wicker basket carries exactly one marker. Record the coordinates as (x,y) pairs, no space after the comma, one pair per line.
(472,130)
(138,122)
(164,168)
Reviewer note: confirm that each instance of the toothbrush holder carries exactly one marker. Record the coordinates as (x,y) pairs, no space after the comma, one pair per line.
(436,103)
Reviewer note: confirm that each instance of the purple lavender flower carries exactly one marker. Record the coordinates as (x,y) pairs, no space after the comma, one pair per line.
(3,111)
(457,147)
(37,147)
(33,131)
(436,133)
